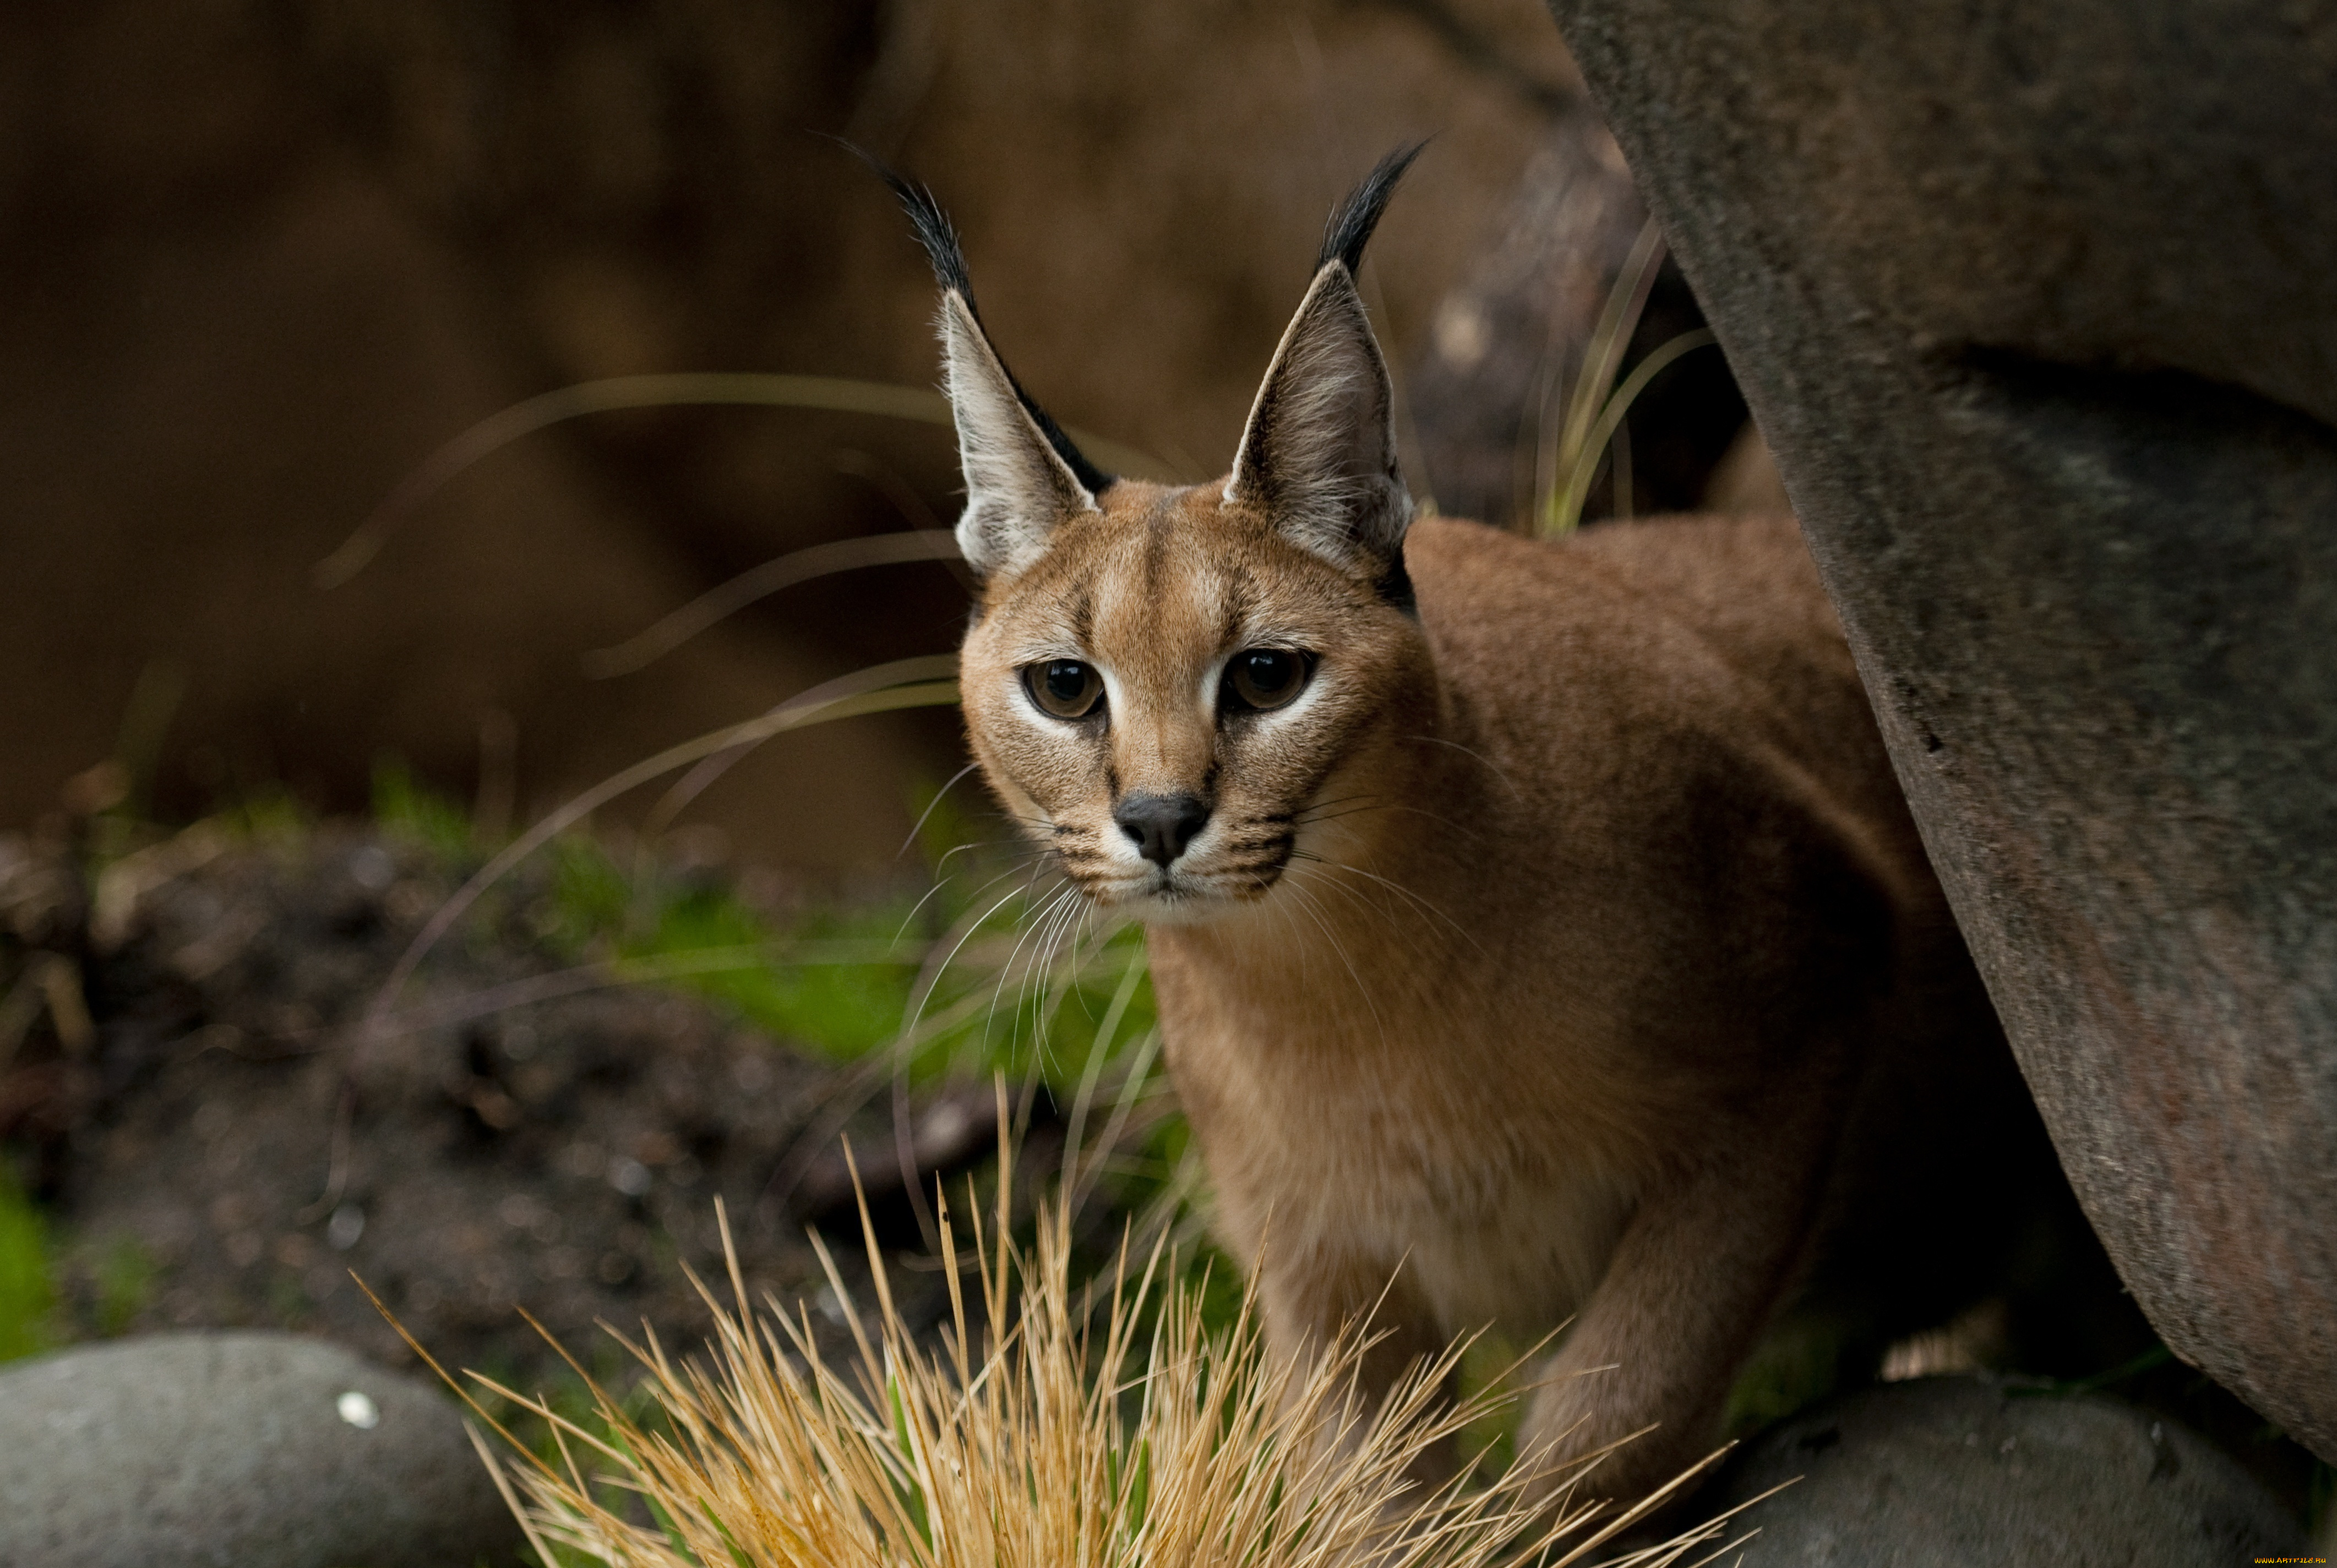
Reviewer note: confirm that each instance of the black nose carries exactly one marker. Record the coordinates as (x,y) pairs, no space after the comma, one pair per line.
(1161,824)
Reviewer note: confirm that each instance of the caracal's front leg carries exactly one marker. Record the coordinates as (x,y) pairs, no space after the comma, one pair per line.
(1699,1271)
(1308,1295)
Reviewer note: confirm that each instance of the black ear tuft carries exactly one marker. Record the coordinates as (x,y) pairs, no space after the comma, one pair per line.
(1352,220)
(934,231)
(938,235)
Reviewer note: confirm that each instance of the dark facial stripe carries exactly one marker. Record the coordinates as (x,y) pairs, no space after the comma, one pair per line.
(1241,592)
(1156,554)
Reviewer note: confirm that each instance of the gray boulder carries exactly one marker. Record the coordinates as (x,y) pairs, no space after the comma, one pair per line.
(237,1450)
(2037,307)
(1958,1473)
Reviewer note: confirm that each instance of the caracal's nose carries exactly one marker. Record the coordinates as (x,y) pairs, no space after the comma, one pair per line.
(1160,826)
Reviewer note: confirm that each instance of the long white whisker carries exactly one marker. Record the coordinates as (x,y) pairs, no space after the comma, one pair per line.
(1032,990)
(1298,938)
(1401,890)
(1055,897)
(928,982)
(1013,869)
(1393,806)
(935,891)
(1354,895)
(1036,936)
(1315,806)
(1064,947)
(1091,1071)
(1478,756)
(1313,913)
(919,824)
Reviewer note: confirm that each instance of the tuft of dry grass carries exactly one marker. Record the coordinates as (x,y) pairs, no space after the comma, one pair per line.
(1052,1425)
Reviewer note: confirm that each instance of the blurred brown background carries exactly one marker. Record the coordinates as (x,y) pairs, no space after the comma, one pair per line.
(264,256)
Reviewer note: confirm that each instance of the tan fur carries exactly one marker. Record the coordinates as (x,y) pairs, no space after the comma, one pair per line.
(1564,950)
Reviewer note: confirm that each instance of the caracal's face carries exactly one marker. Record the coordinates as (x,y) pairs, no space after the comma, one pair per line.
(1176,700)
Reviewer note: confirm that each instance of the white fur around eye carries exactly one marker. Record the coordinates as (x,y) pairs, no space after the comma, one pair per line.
(1018,699)
(1306,699)
(1214,683)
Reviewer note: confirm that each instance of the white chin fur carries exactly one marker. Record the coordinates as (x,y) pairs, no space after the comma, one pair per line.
(1177,900)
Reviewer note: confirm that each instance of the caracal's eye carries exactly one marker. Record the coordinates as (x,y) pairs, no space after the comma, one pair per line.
(1266,678)
(1066,688)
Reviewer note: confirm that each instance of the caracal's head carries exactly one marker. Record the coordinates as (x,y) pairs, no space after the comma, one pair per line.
(1179,690)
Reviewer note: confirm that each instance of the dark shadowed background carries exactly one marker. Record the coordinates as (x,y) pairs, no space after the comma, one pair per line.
(264,256)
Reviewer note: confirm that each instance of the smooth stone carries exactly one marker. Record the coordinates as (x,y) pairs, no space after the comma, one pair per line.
(237,1450)
(1964,1473)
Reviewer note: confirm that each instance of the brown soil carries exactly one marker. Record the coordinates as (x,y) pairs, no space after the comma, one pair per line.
(226,1146)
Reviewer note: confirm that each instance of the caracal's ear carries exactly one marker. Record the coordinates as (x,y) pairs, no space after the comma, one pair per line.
(1318,455)
(1024,477)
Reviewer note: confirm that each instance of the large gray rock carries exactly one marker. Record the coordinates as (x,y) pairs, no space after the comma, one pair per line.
(1958,1473)
(236,1450)
(2037,306)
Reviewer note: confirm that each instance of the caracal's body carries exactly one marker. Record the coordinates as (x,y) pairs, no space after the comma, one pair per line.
(1538,929)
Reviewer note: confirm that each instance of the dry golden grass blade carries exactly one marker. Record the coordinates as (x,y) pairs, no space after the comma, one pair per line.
(1102,1425)
(1565,512)
(645,648)
(832,393)
(1560,442)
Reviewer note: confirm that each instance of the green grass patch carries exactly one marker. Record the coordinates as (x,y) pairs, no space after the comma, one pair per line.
(126,1278)
(840,980)
(28,1296)
(954,978)
(404,806)
(1805,1355)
